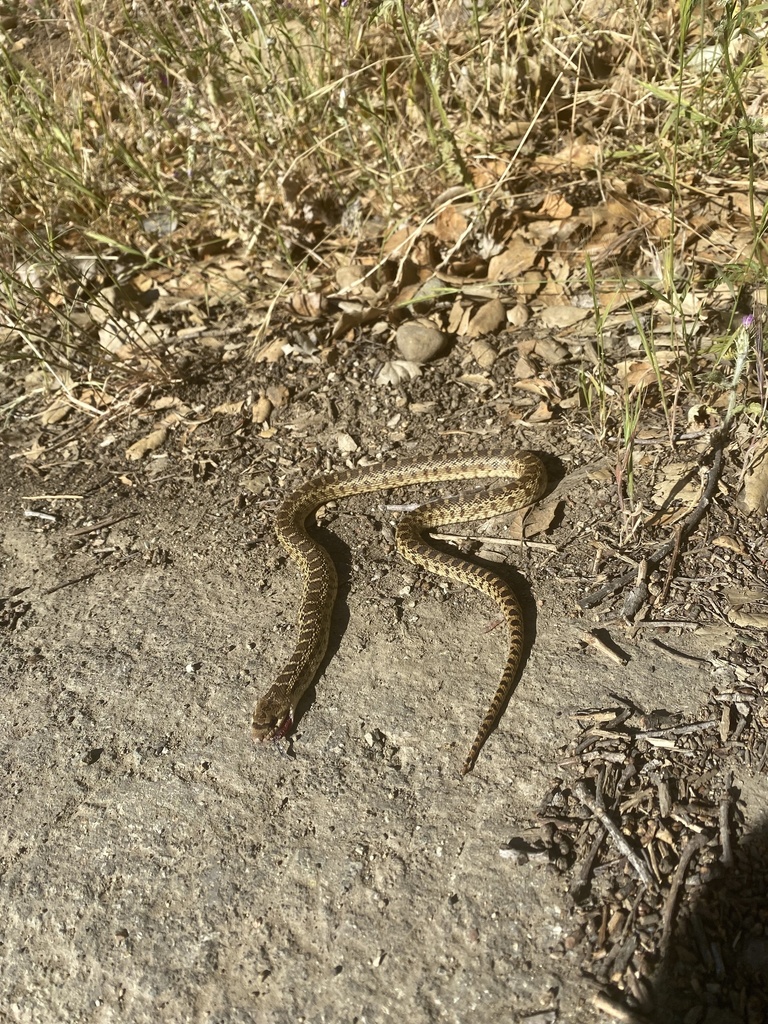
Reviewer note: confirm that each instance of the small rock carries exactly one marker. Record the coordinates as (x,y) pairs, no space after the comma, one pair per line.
(420,341)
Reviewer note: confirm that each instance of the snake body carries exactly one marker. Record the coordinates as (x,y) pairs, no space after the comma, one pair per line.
(274,713)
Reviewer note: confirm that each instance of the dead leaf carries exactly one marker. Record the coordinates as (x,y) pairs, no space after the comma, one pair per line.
(575,153)
(729,543)
(552,352)
(489,318)
(742,598)
(272,352)
(455,318)
(754,497)
(346,443)
(747,620)
(396,241)
(541,414)
(523,369)
(278,394)
(228,409)
(680,480)
(539,519)
(394,371)
(514,261)
(556,206)
(518,316)
(536,385)
(261,410)
(563,316)
(353,315)
(55,412)
(308,304)
(449,225)
(483,353)
(633,373)
(350,277)
(150,443)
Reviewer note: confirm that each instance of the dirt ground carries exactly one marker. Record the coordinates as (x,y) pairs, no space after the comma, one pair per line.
(156,864)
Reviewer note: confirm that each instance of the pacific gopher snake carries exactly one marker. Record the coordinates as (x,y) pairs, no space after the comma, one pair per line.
(274,713)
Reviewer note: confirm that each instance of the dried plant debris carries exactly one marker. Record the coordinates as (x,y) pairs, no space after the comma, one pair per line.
(667,892)
(13,608)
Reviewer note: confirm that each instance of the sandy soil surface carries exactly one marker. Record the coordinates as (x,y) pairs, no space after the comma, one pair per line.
(156,865)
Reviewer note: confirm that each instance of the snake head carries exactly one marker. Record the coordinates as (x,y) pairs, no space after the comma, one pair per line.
(268,724)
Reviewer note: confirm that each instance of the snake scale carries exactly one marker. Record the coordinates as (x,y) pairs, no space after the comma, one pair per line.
(274,713)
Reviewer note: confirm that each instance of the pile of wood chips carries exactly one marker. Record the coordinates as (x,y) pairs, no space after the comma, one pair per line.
(669,901)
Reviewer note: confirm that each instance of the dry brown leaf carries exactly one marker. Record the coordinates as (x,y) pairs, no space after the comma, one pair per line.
(518,315)
(308,304)
(478,380)
(531,522)
(483,353)
(396,241)
(536,385)
(272,352)
(347,445)
(514,261)
(350,277)
(449,225)
(556,206)
(489,318)
(55,412)
(574,154)
(541,517)
(754,497)
(278,394)
(543,231)
(729,543)
(228,409)
(352,316)
(261,410)
(563,316)
(523,369)
(634,372)
(748,620)
(551,351)
(147,444)
(96,397)
(455,318)
(541,414)
(742,598)
(395,371)
(680,480)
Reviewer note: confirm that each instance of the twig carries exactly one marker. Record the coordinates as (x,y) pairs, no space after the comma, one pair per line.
(599,811)
(672,565)
(594,641)
(726,857)
(620,1013)
(580,884)
(509,542)
(677,730)
(81,531)
(694,844)
(71,583)
(687,526)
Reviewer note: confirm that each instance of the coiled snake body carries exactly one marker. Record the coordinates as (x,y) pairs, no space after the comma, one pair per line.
(274,713)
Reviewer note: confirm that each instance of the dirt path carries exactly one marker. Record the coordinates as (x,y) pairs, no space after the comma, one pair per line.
(158,866)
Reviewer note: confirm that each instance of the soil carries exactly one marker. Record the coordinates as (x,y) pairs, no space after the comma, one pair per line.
(156,864)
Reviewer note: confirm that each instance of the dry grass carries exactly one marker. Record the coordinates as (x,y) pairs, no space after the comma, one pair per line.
(135,137)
